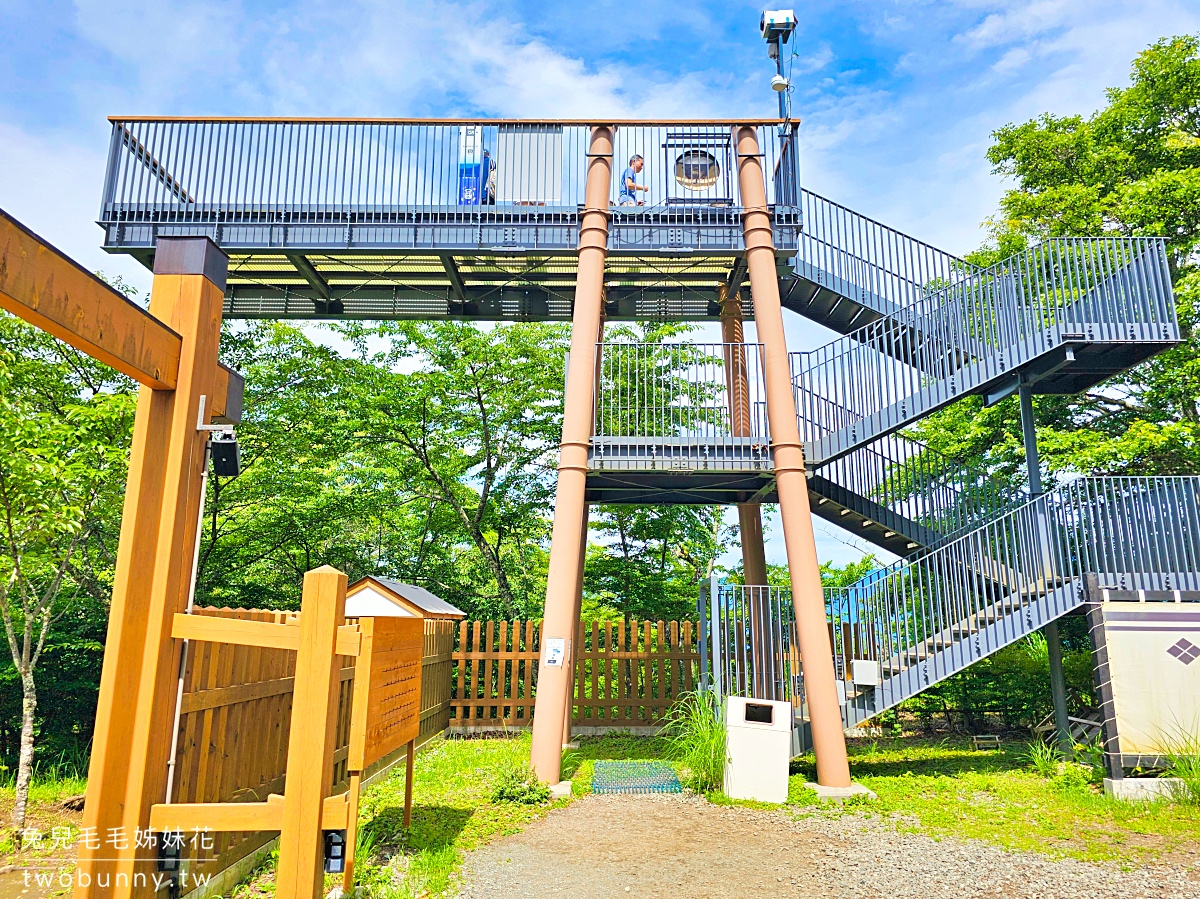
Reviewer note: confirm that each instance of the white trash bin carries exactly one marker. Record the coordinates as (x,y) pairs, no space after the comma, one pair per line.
(758,748)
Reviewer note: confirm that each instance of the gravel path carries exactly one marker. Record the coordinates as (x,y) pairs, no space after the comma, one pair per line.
(672,846)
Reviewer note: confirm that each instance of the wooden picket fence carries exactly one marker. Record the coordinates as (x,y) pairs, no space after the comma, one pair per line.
(627,674)
(235,718)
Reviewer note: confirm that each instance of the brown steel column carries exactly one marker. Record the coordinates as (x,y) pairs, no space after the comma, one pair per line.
(568,536)
(754,555)
(816,652)
(570,705)
(134,714)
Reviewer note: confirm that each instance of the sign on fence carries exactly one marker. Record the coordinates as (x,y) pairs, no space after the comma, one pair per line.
(389,697)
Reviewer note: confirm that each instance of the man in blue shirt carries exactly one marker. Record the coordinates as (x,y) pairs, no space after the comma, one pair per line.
(629,185)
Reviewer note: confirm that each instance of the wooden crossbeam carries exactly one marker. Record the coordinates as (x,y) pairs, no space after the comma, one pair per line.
(243,632)
(236,817)
(53,292)
(227,397)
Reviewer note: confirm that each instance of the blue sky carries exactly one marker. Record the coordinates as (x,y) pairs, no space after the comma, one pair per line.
(898,99)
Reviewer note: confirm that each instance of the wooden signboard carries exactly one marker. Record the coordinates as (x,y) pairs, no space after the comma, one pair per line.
(387,689)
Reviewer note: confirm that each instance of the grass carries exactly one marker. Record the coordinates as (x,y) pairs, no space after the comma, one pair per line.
(456,808)
(696,736)
(1019,797)
(1182,755)
(1010,797)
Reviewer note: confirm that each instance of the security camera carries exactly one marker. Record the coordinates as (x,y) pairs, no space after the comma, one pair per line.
(777,24)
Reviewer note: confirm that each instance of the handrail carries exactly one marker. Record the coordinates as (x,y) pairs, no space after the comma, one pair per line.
(922,619)
(295,171)
(449,120)
(965,335)
(705,392)
(911,479)
(856,256)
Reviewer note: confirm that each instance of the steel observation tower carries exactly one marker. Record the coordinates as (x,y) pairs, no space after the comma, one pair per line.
(524,220)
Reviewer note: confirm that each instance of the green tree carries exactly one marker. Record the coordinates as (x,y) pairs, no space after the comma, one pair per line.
(301,499)
(474,430)
(64,427)
(425,454)
(1131,168)
(651,559)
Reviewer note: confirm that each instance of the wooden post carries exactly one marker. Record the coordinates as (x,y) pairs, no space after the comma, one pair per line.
(300,874)
(408,783)
(127,772)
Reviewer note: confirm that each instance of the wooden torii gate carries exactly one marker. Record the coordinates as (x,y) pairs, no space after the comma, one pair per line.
(171,350)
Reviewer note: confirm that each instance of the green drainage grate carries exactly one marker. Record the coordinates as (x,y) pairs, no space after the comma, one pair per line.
(635,777)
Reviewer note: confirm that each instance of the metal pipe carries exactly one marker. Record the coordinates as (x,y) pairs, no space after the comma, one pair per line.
(1058,680)
(569,521)
(816,651)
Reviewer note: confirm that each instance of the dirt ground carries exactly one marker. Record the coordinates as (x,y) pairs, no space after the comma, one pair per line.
(670,846)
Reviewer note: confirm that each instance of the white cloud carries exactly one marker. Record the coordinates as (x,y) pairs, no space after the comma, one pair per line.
(52,186)
(1021,21)
(813,62)
(166,43)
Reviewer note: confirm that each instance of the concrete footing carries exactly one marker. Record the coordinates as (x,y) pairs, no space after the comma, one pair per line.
(838,794)
(1142,789)
(560,790)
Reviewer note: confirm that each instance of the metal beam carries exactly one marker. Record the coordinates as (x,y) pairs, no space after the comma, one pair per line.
(456,281)
(736,276)
(311,275)
(49,290)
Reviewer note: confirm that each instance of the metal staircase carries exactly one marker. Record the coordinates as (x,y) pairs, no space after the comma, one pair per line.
(850,270)
(914,624)
(400,219)
(1060,317)
(906,497)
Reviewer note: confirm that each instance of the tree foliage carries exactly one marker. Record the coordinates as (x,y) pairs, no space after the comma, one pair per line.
(425,458)
(64,427)
(1131,168)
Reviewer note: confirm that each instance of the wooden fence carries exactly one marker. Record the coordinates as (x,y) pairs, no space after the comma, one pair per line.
(627,674)
(235,717)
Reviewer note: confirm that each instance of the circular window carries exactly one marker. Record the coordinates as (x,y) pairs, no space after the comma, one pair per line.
(697,170)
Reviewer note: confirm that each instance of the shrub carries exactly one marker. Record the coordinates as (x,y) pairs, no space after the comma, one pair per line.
(1044,758)
(1072,778)
(696,737)
(519,783)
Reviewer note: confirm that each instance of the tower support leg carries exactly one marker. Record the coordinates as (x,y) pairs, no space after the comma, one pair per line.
(127,772)
(570,704)
(1058,680)
(808,599)
(750,530)
(568,535)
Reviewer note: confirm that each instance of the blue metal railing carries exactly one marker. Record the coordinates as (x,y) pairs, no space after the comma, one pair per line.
(297,172)
(923,619)
(968,335)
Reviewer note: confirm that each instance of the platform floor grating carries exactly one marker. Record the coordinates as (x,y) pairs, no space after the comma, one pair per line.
(634,777)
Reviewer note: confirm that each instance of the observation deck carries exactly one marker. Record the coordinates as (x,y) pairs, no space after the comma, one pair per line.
(429,219)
